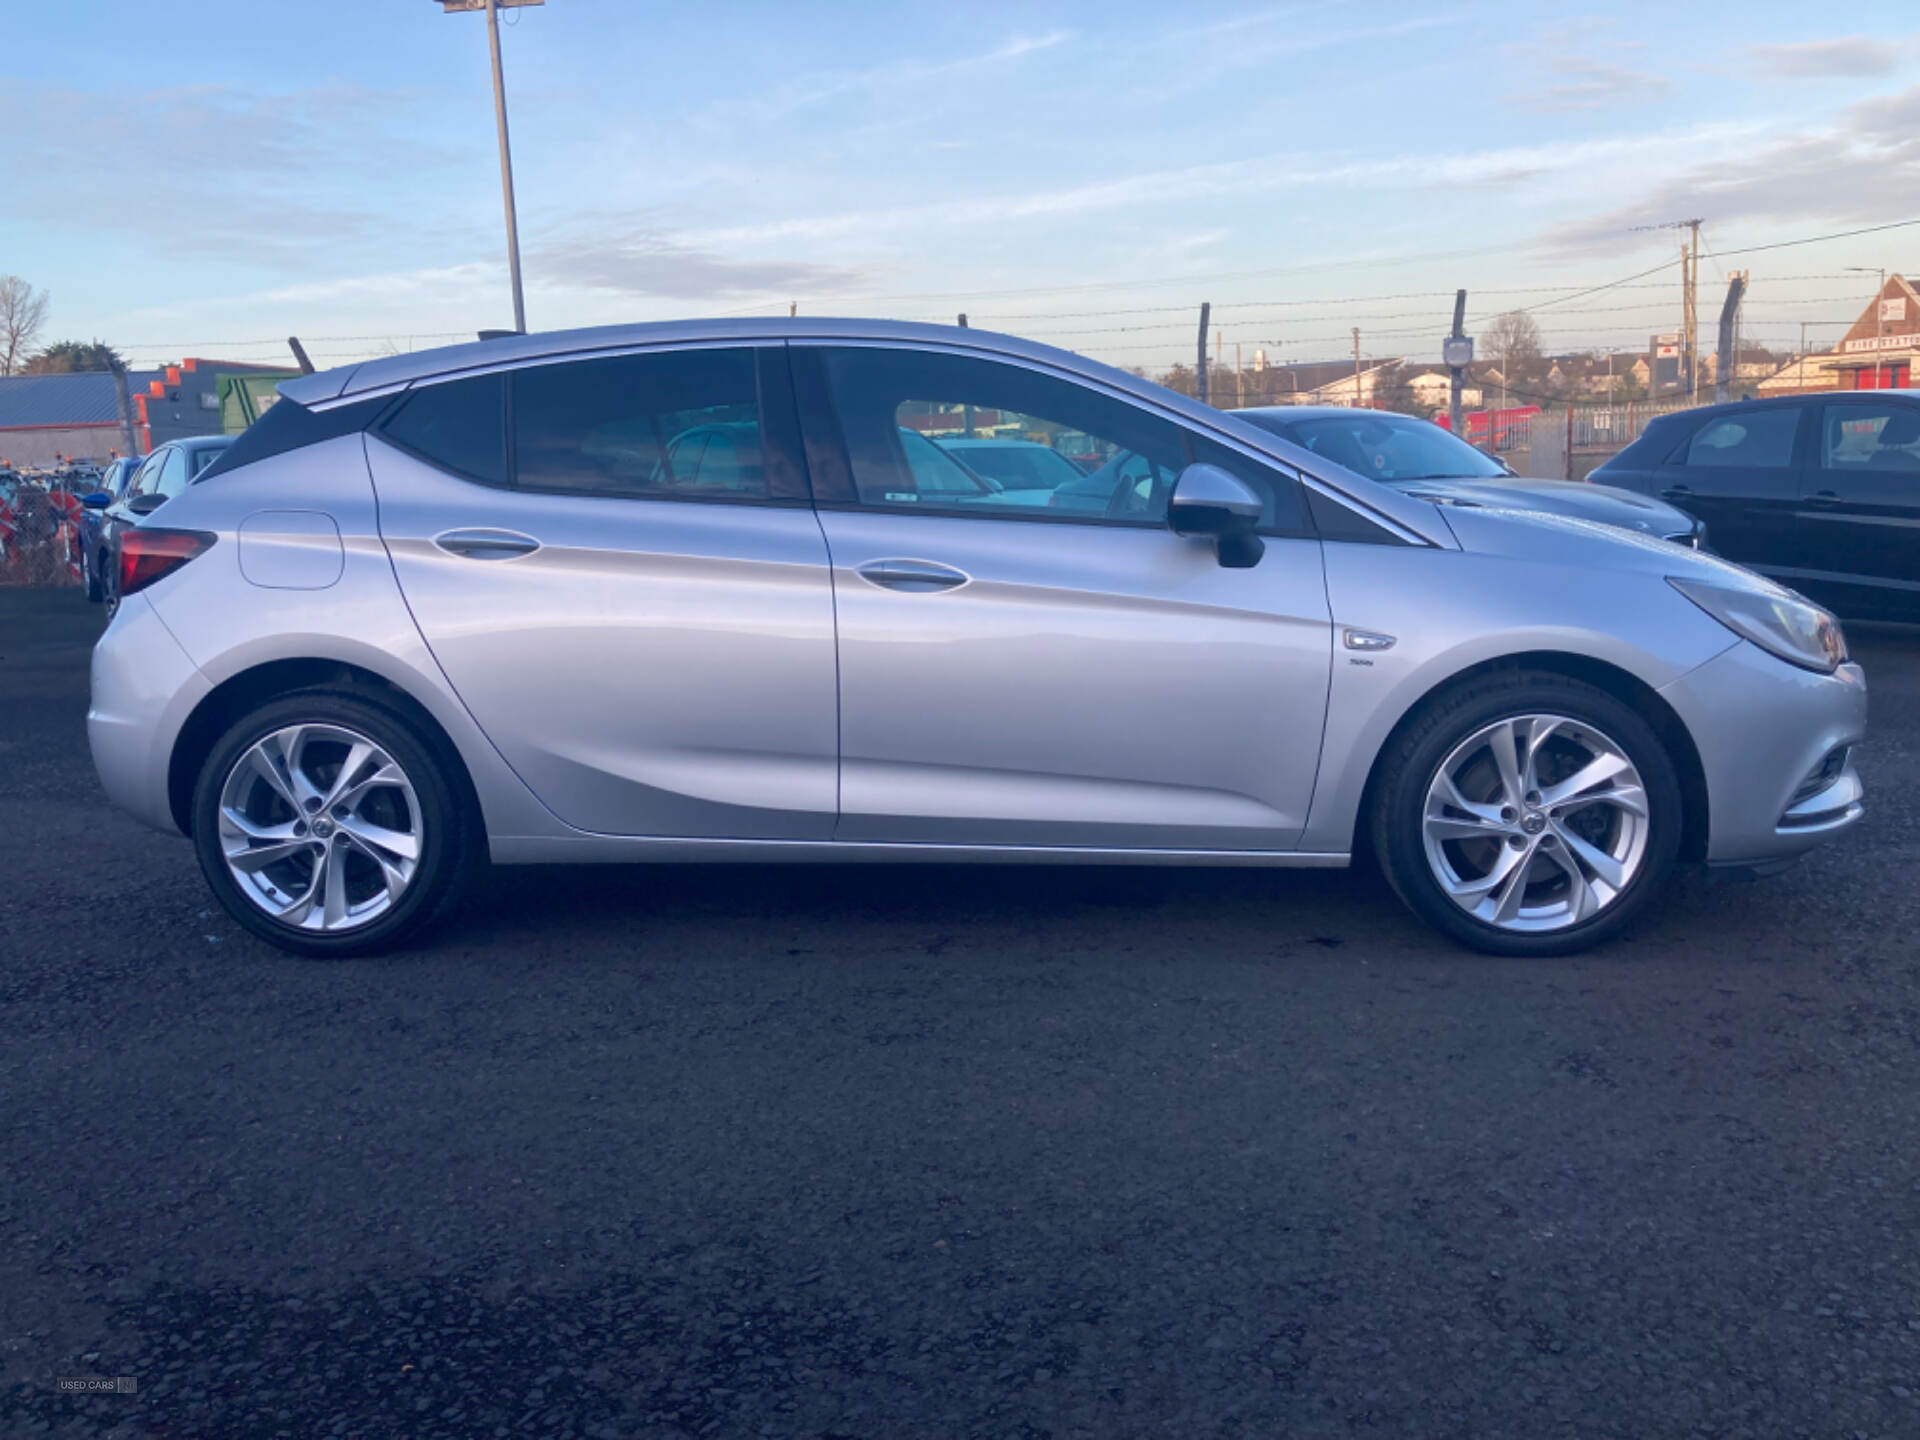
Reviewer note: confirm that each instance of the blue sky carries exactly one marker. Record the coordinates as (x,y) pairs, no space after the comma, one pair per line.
(1083,173)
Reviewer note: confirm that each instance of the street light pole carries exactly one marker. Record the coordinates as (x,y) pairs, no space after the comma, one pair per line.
(492,7)
(506,167)
(1879,313)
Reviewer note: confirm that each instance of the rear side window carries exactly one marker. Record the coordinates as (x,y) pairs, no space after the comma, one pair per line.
(459,425)
(1754,439)
(685,424)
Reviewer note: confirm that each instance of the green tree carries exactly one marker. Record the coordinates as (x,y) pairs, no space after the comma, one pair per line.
(69,357)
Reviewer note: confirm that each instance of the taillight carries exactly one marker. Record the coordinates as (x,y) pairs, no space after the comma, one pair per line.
(150,554)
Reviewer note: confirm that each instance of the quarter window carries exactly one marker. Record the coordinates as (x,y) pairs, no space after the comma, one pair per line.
(1754,440)
(459,425)
(685,424)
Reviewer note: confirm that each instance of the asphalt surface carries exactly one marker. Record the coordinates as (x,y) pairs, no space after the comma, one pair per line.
(949,1152)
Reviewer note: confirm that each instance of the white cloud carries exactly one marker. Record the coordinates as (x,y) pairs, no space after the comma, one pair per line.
(1848,55)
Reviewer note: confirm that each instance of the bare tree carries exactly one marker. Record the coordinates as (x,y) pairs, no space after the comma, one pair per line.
(23,310)
(1513,342)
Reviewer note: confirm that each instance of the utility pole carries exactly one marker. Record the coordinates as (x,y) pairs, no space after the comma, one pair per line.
(1356,367)
(963,319)
(493,7)
(1206,309)
(126,405)
(1239,380)
(793,308)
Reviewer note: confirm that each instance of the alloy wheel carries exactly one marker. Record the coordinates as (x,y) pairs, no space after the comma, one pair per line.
(320,827)
(1536,823)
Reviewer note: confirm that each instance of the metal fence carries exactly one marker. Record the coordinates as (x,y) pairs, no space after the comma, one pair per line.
(39,534)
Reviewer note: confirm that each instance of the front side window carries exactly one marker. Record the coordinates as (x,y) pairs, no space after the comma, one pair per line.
(685,424)
(173,474)
(933,432)
(1389,448)
(1871,439)
(143,478)
(1755,439)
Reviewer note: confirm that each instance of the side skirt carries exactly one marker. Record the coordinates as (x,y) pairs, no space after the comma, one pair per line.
(648,849)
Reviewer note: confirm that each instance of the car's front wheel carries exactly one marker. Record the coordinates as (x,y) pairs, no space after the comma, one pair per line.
(332,826)
(1527,814)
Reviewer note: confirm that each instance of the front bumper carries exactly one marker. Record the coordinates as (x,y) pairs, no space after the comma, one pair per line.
(1763,727)
(143,689)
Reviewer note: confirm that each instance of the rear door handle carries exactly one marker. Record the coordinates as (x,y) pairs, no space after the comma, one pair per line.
(1823,500)
(913,576)
(485,544)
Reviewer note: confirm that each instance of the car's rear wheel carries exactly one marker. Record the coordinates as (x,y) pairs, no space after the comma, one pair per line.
(329,825)
(96,592)
(1527,814)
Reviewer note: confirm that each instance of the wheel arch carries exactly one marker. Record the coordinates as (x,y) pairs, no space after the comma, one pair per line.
(1622,684)
(248,689)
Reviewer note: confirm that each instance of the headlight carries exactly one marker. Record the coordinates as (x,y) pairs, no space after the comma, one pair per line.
(1782,624)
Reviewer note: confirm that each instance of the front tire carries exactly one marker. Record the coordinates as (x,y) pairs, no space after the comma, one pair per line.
(1527,814)
(330,825)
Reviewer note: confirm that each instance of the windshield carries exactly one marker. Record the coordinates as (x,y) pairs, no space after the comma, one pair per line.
(1393,448)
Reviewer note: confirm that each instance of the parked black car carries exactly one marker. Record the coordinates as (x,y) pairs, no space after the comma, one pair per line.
(1821,492)
(92,523)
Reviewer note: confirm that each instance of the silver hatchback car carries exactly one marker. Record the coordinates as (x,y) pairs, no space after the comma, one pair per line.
(730,591)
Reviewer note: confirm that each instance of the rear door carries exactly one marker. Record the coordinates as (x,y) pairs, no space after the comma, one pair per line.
(1740,473)
(1861,517)
(1013,673)
(645,636)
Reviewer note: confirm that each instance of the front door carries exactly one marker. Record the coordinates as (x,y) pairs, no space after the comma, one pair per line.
(1020,666)
(626,586)
(1861,512)
(1740,474)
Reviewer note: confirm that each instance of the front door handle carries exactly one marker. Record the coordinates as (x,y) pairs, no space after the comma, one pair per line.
(912,576)
(1823,500)
(1676,492)
(485,544)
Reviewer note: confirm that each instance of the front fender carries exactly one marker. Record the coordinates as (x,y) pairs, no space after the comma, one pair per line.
(1450,611)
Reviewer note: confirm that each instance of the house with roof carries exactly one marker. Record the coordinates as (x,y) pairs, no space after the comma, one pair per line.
(45,419)
(1877,352)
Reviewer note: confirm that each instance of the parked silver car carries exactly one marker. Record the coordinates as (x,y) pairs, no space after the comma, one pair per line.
(677,593)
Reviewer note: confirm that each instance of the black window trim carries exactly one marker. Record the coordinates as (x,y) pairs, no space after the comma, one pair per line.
(773,397)
(832,468)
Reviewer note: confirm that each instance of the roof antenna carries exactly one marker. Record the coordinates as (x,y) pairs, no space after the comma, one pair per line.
(300,354)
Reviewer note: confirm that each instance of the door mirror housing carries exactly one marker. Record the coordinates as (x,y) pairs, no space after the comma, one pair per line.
(146,504)
(98,500)
(1207,500)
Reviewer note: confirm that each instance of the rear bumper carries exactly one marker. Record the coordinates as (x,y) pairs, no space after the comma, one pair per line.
(1763,727)
(143,689)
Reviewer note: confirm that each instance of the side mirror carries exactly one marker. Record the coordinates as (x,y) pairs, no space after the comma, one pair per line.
(146,504)
(98,500)
(1207,500)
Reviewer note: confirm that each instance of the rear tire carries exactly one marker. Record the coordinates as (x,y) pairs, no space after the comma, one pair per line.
(330,825)
(96,592)
(1527,814)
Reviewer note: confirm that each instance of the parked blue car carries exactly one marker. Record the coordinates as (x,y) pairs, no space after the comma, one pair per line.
(92,523)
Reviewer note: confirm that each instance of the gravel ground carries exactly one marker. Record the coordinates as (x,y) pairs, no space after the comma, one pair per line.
(844,1152)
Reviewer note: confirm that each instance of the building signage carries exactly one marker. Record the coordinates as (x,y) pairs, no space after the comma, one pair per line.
(1879,342)
(1895,309)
